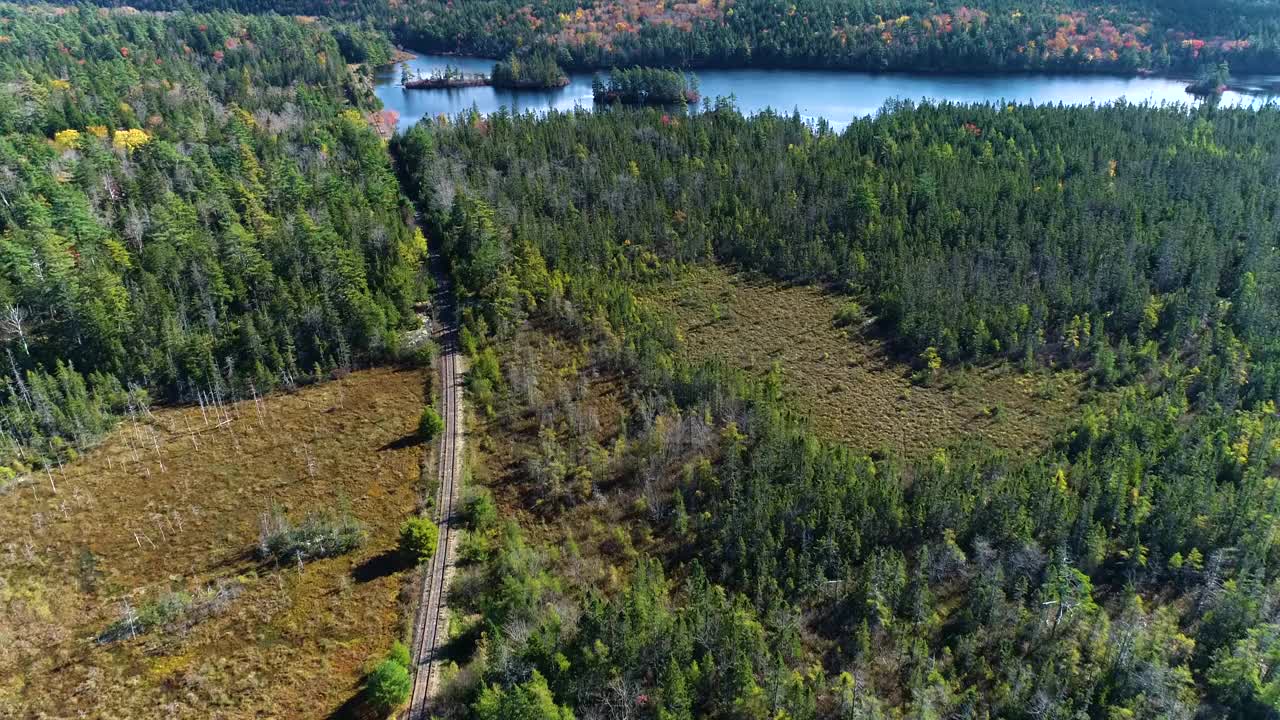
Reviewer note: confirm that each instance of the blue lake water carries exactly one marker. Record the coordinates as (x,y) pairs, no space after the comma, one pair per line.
(839,97)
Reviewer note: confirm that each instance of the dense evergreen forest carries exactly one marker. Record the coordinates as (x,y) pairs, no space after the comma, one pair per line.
(645,86)
(197,205)
(1128,571)
(190,206)
(973,231)
(998,35)
(534,71)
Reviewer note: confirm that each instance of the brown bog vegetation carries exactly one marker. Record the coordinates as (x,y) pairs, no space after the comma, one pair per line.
(131,580)
(847,379)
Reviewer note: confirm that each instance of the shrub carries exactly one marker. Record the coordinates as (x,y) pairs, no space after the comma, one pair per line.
(931,367)
(850,314)
(7,476)
(418,539)
(388,685)
(399,653)
(482,391)
(430,424)
(425,355)
(481,512)
(475,547)
(320,535)
(175,609)
(163,611)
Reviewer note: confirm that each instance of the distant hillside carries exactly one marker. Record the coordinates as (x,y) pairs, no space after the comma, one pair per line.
(995,35)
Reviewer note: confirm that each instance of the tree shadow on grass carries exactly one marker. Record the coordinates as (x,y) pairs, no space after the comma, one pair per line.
(388,562)
(405,441)
(357,707)
(235,561)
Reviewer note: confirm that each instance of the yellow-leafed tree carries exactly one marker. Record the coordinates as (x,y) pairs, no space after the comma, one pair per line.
(131,139)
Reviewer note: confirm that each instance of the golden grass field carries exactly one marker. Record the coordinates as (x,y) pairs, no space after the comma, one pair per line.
(848,383)
(173,502)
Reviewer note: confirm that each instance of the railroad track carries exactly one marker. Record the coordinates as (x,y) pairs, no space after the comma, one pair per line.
(427,634)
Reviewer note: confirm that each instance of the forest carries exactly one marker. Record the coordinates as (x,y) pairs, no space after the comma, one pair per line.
(191,207)
(1125,36)
(534,71)
(972,231)
(1127,570)
(645,86)
(198,208)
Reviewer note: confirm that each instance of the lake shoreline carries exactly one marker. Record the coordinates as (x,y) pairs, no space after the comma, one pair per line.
(1248,84)
(836,96)
(914,72)
(401,55)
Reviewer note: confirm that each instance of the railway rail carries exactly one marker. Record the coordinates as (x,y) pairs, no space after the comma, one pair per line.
(428,634)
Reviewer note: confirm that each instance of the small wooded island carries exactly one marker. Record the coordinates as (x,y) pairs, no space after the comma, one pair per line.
(1215,80)
(535,72)
(1212,80)
(449,77)
(629,86)
(645,86)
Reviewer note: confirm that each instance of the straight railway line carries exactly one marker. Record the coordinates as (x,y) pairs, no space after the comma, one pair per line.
(428,634)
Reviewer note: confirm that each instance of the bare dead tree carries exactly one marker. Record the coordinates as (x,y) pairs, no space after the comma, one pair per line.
(257,406)
(135,226)
(8,182)
(616,701)
(13,320)
(1215,573)
(155,444)
(23,391)
(195,444)
(130,618)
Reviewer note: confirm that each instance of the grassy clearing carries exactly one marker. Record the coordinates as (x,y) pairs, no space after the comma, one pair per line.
(165,516)
(847,381)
